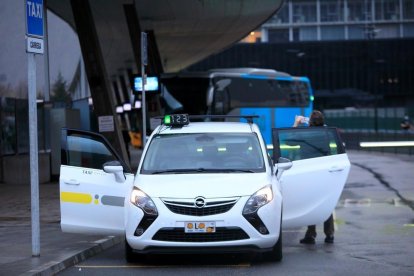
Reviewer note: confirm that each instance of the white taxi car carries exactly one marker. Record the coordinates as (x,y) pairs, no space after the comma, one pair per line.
(202,186)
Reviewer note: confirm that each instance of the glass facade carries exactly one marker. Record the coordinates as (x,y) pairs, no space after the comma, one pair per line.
(304,11)
(332,33)
(282,16)
(359,10)
(409,30)
(301,20)
(356,32)
(387,10)
(332,11)
(408,9)
(308,34)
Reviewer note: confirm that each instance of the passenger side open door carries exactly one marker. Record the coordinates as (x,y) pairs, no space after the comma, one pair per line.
(312,187)
(94,184)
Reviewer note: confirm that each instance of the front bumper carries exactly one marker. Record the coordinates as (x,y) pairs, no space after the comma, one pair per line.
(233,232)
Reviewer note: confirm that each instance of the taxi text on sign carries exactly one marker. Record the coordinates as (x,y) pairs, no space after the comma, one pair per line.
(34,18)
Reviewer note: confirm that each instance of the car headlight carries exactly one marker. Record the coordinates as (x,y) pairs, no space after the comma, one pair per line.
(141,200)
(259,199)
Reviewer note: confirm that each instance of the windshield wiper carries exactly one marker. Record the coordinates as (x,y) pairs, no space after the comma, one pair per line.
(237,170)
(201,170)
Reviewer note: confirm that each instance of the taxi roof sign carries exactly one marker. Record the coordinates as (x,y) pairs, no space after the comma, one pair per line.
(176,120)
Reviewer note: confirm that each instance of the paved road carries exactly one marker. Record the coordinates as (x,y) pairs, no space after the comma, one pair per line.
(374,234)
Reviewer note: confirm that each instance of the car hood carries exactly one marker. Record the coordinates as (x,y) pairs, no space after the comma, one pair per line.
(206,185)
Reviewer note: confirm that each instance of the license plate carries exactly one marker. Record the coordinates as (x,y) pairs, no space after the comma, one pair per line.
(200,227)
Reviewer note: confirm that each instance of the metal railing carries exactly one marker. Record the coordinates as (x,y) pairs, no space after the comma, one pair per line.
(372,125)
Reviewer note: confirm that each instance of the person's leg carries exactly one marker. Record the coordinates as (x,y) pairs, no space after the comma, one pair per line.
(310,235)
(311,232)
(328,228)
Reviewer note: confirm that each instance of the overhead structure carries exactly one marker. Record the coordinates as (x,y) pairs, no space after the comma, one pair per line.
(181,33)
(186,31)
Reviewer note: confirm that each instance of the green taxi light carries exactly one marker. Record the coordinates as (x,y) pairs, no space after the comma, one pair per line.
(312,98)
(167,119)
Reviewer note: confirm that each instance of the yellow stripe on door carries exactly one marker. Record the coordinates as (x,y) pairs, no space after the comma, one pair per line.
(75,197)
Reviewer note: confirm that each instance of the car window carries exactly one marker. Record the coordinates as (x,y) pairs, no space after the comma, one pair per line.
(83,151)
(305,143)
(204,150)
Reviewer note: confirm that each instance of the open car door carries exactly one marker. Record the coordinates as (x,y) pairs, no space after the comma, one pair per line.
(312,187)
(92,200)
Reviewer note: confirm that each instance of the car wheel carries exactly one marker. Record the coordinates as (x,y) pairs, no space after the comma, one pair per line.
(129,254)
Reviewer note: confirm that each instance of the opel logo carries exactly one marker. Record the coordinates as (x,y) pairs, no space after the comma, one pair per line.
(199,202)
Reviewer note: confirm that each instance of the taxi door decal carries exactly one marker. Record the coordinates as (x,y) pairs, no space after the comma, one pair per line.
(83,198)
(76,197)
(113,200)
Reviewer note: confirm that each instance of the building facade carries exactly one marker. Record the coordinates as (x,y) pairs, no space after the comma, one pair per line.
(324,20)
(357,53)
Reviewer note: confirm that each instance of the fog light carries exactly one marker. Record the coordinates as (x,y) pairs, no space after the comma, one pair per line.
(139,231)
(257,223)
(146,221)
(262,230)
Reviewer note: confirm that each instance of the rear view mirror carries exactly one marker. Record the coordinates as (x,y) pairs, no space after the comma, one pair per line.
(115,168)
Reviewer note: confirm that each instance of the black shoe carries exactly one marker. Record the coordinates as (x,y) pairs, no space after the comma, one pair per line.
(329,239)
(308,240)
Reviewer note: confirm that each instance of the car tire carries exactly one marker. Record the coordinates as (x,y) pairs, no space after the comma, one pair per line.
(130,256)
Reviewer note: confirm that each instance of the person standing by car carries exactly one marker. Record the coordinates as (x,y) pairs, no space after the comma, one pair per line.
(406,123)
(316,119)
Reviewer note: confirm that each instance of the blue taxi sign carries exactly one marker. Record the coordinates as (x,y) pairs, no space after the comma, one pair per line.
(34,18)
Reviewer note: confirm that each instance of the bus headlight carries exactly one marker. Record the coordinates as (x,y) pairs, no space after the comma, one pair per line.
(259,199)
(141,200)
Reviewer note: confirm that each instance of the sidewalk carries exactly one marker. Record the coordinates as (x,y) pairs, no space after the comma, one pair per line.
(57,250)
(60,250)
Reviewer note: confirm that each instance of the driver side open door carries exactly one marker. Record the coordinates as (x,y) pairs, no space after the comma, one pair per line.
(312,187)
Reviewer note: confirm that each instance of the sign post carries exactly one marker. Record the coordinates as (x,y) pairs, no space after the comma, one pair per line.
(34,37)
(144,62)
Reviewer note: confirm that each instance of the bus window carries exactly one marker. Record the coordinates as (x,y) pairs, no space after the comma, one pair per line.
(251,92)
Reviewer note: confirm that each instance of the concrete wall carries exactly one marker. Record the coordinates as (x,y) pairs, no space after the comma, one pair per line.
(16,169)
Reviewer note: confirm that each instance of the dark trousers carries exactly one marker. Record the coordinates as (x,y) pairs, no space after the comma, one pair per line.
(328,228)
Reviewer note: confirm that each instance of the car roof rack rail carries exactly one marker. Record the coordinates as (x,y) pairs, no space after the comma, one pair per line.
(248,118)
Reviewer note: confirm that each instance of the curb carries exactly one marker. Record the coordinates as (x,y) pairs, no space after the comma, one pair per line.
(71,259)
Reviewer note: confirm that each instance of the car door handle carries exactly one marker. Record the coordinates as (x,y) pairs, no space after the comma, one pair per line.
(336,169)
(71,182)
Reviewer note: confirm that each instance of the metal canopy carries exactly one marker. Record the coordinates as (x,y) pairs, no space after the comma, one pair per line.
(186,31)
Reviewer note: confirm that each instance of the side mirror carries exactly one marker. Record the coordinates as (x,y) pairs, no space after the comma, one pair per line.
(282,165)
(115,168)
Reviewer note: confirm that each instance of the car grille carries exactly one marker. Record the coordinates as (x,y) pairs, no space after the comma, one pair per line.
(221,234)
(212,206)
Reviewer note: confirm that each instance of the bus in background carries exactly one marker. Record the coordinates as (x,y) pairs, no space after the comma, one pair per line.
(276,97)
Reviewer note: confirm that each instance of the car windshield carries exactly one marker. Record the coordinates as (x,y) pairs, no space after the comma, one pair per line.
(204,153)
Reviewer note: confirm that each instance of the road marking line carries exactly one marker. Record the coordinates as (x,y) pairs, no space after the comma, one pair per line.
(154,266)
(365,202)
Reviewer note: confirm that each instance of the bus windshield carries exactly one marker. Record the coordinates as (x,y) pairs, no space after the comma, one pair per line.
(275,97)
(252,92)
